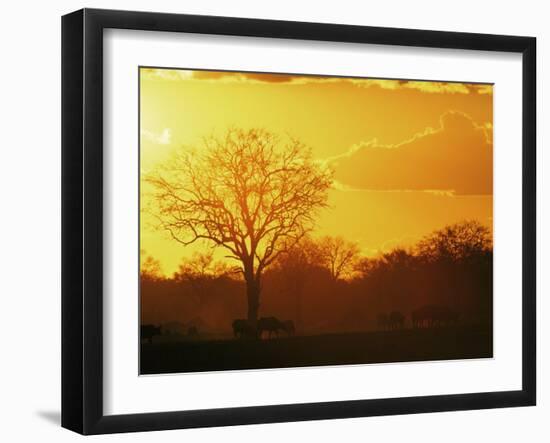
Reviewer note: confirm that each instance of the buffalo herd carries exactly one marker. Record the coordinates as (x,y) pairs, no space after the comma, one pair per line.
(265,327)
(429,316)
(393,321)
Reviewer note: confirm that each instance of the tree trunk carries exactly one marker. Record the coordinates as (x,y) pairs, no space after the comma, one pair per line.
(298,289)
(253,299)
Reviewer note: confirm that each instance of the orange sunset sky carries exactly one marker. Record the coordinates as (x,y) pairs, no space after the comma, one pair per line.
(408,157)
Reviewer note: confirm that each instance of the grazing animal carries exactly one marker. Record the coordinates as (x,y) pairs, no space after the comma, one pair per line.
(446,316)
(288,327)
(271,325)
(396,320)
(432,316)
(192,331)
(242,328)
(416,318)
(424,317)
(382,321)
(173,328)
(149,331)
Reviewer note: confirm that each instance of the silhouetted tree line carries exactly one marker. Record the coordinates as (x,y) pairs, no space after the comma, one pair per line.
(325,285)
(451,268)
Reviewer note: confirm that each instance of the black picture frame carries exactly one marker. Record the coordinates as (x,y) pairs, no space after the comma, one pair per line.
(82,216)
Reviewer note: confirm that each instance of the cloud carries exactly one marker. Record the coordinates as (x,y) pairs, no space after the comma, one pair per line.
(433,87)
(427,86)
(163,138)
(455,158)
(218,76)
(422,86)
(166,74)
(243,76)
(438,87)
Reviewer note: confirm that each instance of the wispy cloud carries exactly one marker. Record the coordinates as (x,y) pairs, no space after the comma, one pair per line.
(166,74)
(162,138)
(436,87)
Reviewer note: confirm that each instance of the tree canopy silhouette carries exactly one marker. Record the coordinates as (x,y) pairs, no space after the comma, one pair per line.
(457,242)
(149,267)
(339,256)
(248,192)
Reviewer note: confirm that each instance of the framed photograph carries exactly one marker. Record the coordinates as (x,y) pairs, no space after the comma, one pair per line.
(269,221)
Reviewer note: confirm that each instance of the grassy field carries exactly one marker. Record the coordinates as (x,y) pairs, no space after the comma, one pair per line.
(329,349)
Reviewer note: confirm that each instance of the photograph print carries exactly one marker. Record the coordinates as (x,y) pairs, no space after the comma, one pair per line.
(291,220)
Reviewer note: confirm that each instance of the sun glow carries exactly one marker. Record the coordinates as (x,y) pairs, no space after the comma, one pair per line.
(408,157)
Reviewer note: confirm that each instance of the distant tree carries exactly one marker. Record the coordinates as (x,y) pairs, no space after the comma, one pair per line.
(457,242)
(393,260)
(339,256)
(202,265)
(150,268)
(248,193)
(199,265)
(200,271)
(458,262)
(399,268)
(366,266)
(398,258)
(293,267)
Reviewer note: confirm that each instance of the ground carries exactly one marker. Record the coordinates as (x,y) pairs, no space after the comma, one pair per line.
(329,349)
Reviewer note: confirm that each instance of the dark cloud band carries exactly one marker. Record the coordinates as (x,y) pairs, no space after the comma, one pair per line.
(458,157)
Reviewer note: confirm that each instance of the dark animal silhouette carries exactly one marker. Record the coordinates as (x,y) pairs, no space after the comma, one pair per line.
(431,316)
(424,317)
(271,325)
(382,321)
(242,329)
(149,331)
(192,331)
(288,327)
(173,328)
(396,320)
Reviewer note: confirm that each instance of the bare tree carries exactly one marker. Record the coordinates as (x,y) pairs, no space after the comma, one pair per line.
(201,272)
(460,241)
(150,268)
(340,256)
(294,266)
(199,264)
(247,192)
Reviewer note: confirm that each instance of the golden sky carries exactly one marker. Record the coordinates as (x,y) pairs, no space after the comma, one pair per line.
(409,156)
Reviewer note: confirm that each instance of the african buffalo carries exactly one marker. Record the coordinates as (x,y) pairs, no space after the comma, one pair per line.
(396,320)
(288,327)
(382,321)
(431,316)
(242,328)
(271,325)
(149,331)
